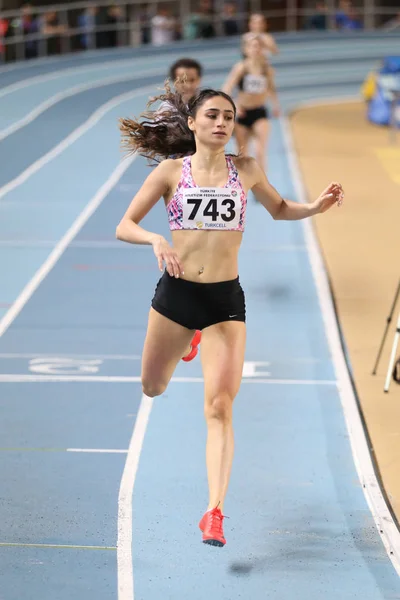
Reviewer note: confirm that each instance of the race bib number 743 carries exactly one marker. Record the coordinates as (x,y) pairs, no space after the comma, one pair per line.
(211,208)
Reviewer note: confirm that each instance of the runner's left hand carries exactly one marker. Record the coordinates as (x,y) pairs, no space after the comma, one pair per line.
(331,195)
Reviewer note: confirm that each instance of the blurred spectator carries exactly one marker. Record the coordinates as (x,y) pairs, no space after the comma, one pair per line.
(200,23)
(229,21)
(115,16)
(30,25)
(3,33)
(353,20)
(52,30)
(25,25)
(347,17)
(342,13)
(163,27)
(106,19)
(87,21)
(319,19)
(144,22)
(26,18)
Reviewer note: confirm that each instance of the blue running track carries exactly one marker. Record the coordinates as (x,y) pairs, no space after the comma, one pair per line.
(101,488)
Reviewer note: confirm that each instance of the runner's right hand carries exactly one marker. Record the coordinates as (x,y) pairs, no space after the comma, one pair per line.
(166,254)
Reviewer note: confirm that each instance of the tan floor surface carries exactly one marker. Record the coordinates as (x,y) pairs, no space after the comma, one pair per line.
(361,247)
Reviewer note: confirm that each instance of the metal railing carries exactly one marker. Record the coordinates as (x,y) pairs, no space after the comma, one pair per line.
(60,29)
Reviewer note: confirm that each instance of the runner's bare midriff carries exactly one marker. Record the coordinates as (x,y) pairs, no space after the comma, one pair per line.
(208,256)
(251,101)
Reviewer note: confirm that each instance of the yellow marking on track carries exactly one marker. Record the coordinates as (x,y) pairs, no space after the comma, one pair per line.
(390,160)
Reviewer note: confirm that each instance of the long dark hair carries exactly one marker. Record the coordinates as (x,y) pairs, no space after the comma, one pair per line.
(165,132)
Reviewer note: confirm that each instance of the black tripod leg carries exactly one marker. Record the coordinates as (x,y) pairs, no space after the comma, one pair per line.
(388,321)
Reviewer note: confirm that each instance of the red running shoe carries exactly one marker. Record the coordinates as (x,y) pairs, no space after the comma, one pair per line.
(211,526)
(194,345)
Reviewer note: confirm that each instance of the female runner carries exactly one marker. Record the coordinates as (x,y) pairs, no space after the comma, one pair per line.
(205,198)
(255,80)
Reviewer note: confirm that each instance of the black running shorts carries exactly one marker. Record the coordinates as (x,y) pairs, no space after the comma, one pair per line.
(198,305)
(252,115)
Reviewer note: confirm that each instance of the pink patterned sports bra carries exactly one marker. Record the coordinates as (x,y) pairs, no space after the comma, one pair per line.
(221,209)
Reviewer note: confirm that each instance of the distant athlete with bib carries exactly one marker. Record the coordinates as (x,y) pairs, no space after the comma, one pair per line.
(254,78)
(199,295)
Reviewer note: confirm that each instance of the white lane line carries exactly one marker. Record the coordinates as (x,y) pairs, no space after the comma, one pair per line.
(105,55)
(61,246)
(124,541)
(318,74)
(22,64)
(55,450)
(59,96)
(315,102)
(130,357)
(47,60)
(30,378)
(57,546)
(104,66)
(291,104)
(291,50)
(44,78)
(52,100)
(328,382)
(71,138)
(385,524)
